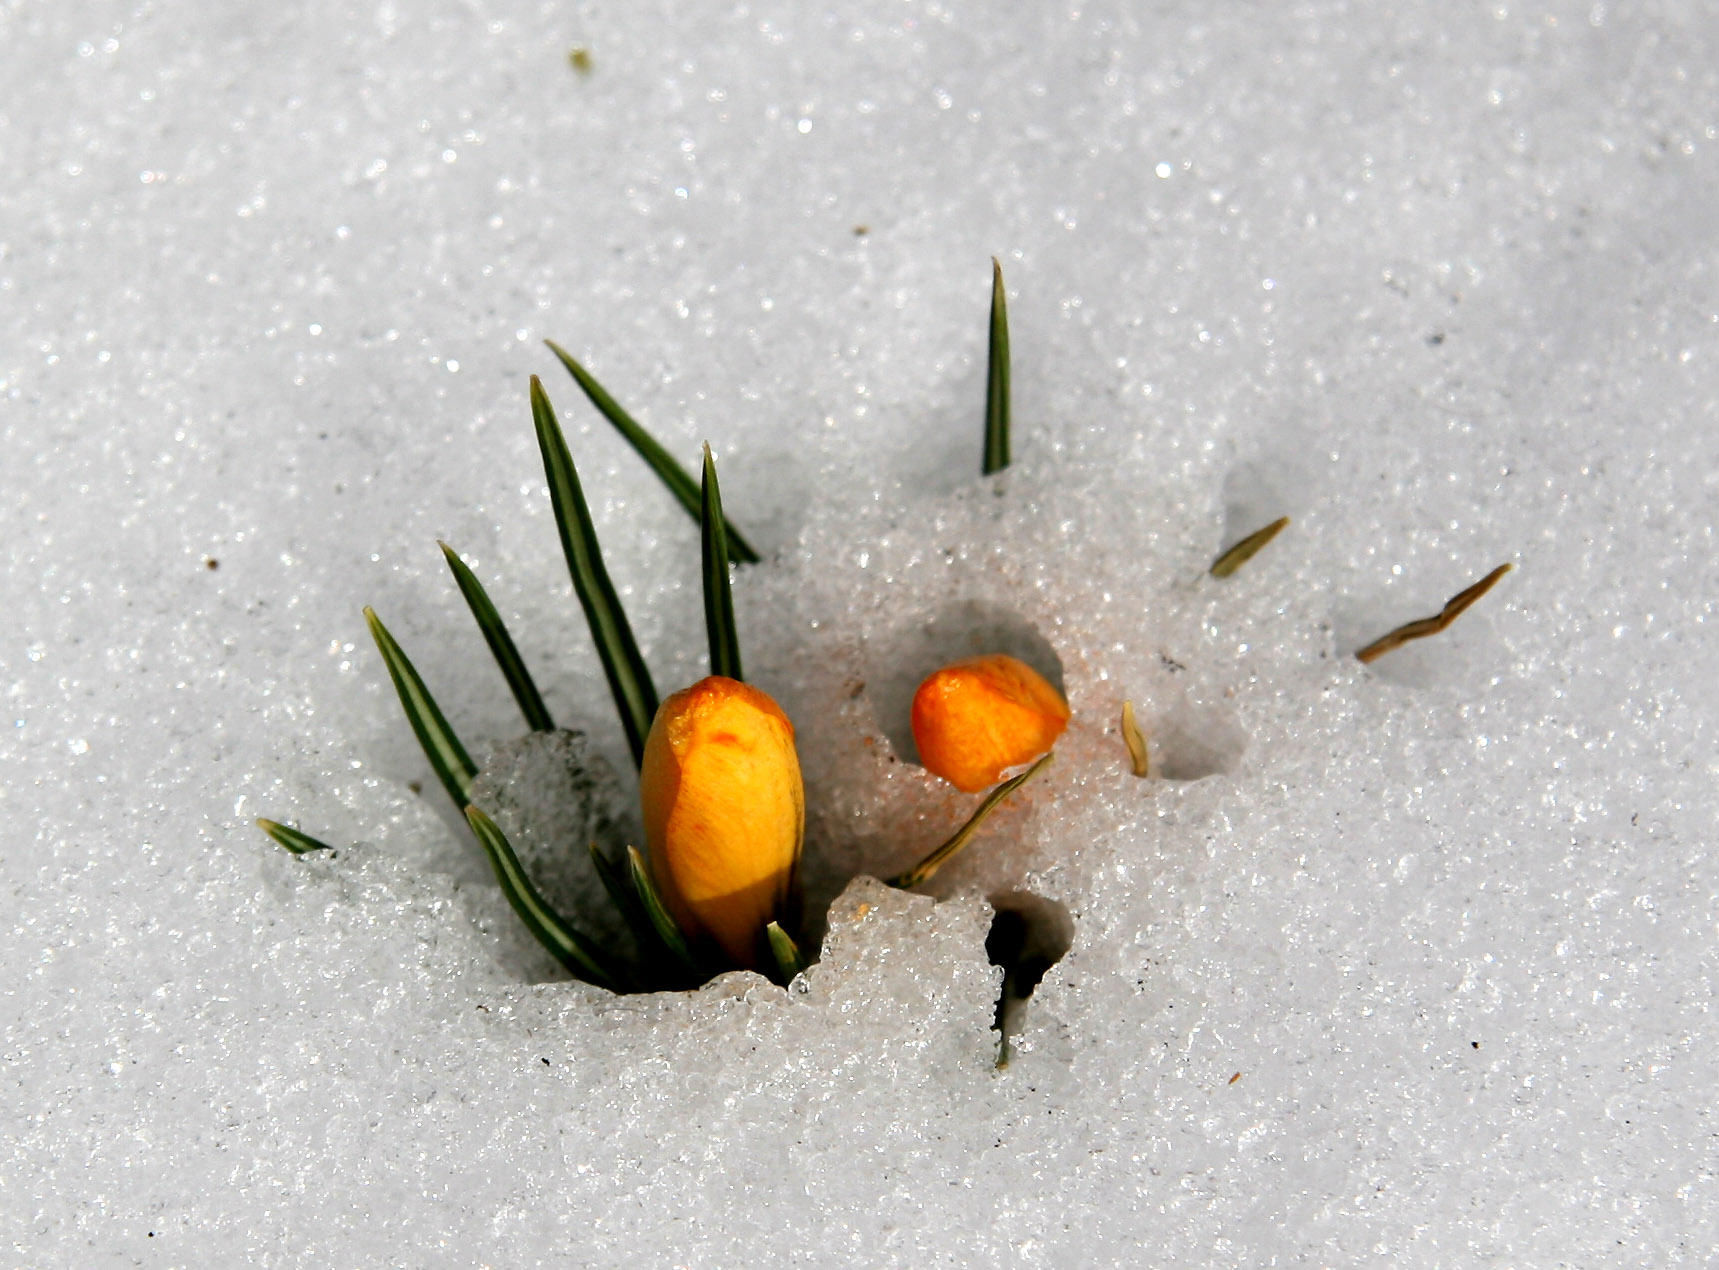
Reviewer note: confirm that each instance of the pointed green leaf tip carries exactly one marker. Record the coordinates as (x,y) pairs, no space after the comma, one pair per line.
(577,953)
(661,922)
(678,480)
(667,965)
(789,962)
(292,839)
(718,594)
(619,885)
(1239,554)
(997,378)
(623,664)
(453,767)
(501,644)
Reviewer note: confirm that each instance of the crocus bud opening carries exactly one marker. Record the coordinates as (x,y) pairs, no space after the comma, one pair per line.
(977,718)
(724,813)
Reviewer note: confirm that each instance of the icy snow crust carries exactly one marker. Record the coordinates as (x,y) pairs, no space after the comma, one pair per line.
(1436,281)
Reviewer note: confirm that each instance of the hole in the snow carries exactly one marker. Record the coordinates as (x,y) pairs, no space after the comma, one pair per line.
(1196,739)
(964,629)
(1257,492)
(1029,935)
(1186,737)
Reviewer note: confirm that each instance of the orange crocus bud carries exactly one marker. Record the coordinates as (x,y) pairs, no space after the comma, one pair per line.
(977,718)
(724,813)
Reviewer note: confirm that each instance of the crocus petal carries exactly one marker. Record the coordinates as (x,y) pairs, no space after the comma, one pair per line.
(975,719)
(724,812)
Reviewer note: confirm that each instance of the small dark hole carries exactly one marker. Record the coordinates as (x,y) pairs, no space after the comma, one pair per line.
(1006,946)
(1028,936)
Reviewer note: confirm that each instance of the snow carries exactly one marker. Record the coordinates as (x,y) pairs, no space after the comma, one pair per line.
(1436,283)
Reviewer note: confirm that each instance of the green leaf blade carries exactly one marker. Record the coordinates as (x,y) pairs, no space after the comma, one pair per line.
(448,758)
(294,840)
(617,881)
(1420,628)
(1139,757)
(573,950)
(1240,553)
(678,480)
(501,645)
(623,664)
(718,592)
(997,377)
(662,922)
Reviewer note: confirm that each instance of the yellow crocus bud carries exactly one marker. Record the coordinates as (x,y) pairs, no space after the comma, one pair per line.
(977,718)
(724,813)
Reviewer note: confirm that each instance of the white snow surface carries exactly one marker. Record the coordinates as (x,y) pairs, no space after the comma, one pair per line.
(1438,281)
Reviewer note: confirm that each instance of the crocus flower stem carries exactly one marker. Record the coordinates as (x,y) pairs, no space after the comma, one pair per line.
(923,871)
